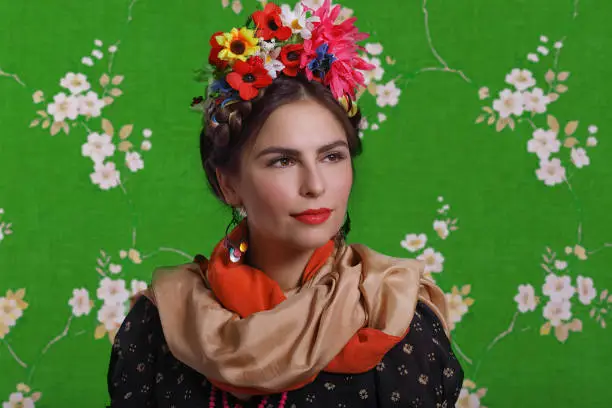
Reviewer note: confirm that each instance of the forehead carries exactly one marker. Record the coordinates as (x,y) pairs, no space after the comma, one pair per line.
(303,125)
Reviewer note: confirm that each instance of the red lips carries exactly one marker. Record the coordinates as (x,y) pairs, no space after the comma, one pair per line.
(314,212)
(313,216)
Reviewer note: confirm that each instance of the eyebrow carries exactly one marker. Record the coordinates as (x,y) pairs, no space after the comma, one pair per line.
(294,152)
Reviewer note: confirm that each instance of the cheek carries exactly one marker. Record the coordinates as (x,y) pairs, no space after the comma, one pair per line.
(270,194)
(342,182)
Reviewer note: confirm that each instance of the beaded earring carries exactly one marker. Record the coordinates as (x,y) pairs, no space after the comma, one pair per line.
(236,251)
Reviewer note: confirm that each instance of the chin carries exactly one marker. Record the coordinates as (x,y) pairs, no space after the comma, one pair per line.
(313,236)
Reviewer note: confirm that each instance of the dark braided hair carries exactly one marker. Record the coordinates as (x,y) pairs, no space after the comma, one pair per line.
(228,127)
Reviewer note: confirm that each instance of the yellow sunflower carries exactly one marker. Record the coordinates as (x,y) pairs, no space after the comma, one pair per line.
(237,45)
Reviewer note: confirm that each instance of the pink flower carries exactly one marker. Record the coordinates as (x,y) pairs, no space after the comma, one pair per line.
(330,55)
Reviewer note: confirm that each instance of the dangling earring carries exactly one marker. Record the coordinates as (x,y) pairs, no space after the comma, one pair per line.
(236,251)
(344,230)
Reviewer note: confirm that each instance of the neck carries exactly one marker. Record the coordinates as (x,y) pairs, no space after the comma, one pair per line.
(283,263)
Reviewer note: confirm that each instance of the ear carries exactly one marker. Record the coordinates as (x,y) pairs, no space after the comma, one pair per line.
(227,185)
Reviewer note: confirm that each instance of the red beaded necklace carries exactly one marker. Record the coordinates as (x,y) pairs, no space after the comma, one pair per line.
(262,404)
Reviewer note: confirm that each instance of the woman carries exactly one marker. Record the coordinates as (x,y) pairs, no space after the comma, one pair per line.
(285,313)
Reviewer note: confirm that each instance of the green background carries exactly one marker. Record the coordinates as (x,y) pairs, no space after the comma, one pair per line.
(429,146)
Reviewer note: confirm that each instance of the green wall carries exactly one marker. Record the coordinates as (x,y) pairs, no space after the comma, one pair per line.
(60,232)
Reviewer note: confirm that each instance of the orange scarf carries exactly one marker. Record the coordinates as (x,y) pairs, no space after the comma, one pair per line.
(245,290)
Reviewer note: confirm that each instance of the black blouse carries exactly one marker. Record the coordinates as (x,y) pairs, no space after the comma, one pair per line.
(420,371)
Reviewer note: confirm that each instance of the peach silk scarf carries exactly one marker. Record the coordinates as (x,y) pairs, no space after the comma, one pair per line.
(234,324)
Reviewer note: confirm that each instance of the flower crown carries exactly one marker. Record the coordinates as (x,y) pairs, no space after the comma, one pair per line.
(280,40)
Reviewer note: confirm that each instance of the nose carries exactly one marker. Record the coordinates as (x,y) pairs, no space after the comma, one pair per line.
(313,181)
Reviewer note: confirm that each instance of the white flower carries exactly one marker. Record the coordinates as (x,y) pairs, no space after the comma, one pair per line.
(81,305)
(544,39)
(112,49)
(374,126)
(345,14)
(63,107)
(123,254)
(456,308)
(145,145)
(522,79)
(560,265)
(17,400)
(433,260)
(375,74)
(591,141)
(134,161)
(558,287)
(313,4)
(296,19)
(558,45)
(525,298)
(414,242)
(111,315)
(363,123)
(467,400)
(147,133)
(509,103)
(586,291)
(90,104)
(593,129)
(544,143)
(381,117)
(87,61)
(533,57)
(98,54)
(138,286)
(274,66)
(98,147)
(98,43)
(557,310)
(387,94)
(535,100)
(105,175)
(75,83)
(580,157)
(441,227)
(9,311)
(115,268)
(483,93)
(112,291)
(551,172)
(543,50)
(236,6)
(374,48)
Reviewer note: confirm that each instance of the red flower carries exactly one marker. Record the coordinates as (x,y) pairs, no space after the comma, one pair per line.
(290,57)
(269,23)
(213,58)
(248,77)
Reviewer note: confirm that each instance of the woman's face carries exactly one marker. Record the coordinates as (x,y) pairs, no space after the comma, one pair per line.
(300,160)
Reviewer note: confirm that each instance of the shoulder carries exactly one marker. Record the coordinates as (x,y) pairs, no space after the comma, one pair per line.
(140,336)
(137,348)
(378,259)
(411,272)
(422,363)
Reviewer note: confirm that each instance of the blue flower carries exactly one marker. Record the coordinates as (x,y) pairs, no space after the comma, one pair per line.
(321,64)
(221,86)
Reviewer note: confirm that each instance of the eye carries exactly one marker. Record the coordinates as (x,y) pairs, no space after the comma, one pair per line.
(336,156)
(283,161)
